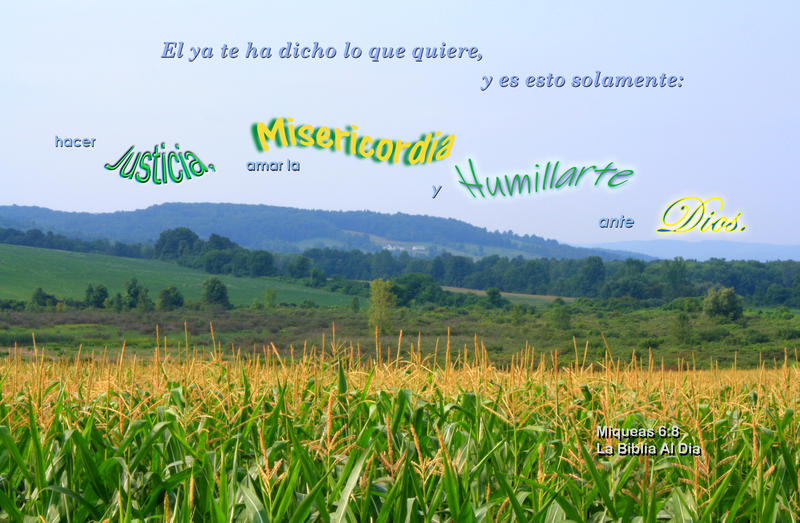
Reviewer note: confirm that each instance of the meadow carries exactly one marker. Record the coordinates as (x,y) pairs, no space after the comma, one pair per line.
(335,432)
(67,274)
(760,336)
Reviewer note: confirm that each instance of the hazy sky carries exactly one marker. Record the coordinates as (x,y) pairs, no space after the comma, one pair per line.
(94,70)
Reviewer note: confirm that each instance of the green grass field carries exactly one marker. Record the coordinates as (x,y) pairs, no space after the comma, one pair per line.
(67,274)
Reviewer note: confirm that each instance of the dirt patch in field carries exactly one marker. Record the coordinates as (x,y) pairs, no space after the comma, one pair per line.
(509,294)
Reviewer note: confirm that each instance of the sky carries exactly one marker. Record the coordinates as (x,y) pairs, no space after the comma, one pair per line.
(94,70)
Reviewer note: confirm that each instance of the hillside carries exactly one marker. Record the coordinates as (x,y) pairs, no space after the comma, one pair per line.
(67,274)
(286,229)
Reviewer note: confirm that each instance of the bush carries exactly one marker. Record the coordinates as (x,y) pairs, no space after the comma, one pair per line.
(686,304)
(96,296)
(170,299)
(215,293)
(788,333)
(682,328)
(12,305)
(780,313)
(650,343)
(713,334)
(754,336)
(382,304)
(723,303)
(559,315)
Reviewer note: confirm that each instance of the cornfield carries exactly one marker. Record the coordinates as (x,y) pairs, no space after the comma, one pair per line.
(326,433)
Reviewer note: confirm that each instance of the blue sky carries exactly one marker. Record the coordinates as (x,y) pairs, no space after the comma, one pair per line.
(94,70)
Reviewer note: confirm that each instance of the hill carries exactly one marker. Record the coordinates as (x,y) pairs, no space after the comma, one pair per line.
(67,274)
(287,229)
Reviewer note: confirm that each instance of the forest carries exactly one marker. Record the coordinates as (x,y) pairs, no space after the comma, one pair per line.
(651,282)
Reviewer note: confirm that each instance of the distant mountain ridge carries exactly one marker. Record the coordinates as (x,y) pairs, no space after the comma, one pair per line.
(707,249)
(288,229)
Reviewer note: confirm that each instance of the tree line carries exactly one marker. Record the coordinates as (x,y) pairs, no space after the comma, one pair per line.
(760,283)
(37,238)
(133,297)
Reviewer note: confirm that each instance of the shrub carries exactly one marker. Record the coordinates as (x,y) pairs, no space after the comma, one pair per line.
(215,292)
(723,303)
(715,333)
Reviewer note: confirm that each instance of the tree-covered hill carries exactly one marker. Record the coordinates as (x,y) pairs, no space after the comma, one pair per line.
(286,229)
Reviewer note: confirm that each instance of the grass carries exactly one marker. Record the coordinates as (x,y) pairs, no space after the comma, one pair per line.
(539,300)
(761,336)
(67,274)
(334,432)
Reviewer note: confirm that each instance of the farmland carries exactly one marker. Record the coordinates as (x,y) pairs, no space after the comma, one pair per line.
(66,274)
(297,406)
(333,432)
